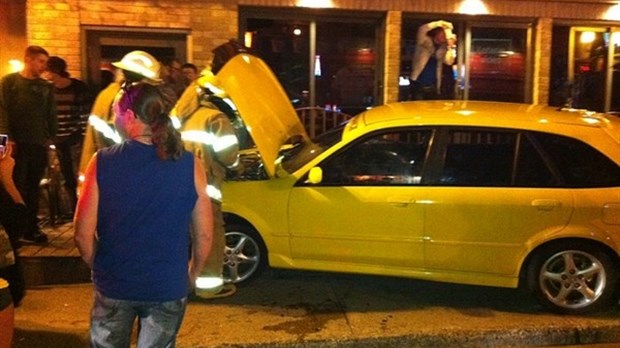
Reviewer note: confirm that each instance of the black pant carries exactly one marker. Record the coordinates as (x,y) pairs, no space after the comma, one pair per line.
(13,217)
(65,152)
(420,91)
(30,164)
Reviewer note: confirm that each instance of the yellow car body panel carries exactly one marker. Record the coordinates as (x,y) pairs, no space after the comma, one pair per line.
(488,226)
(263,104)
(347,225)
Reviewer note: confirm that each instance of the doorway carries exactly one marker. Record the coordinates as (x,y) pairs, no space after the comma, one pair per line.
(106,45)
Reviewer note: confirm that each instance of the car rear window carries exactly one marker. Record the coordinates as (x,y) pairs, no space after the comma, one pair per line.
(478,158)
(579,164)
(486,157)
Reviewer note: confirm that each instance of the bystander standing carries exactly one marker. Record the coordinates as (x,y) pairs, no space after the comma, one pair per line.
(435,48)
(28,116)
(12,218)
(143,202)
(190,73)
(172,75)
(72,107)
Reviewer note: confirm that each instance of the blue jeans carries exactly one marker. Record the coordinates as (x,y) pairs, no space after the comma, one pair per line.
(112,322)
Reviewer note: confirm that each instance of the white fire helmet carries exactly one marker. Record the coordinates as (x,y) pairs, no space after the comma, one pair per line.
(141,63)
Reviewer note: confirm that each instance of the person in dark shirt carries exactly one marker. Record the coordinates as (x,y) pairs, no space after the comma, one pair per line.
(72,108)
(28,116)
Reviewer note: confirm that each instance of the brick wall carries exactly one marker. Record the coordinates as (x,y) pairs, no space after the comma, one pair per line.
(56,25)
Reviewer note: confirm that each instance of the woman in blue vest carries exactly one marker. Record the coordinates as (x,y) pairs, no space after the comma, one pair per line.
(143,205)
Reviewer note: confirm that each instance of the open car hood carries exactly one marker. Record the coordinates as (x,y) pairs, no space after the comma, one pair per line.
(263,105)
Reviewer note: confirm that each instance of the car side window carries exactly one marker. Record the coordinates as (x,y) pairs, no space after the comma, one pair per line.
(532,170)
(579,164)
(388,158)
(478,158)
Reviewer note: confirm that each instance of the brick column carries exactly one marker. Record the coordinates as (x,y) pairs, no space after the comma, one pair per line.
(542,61)
(391,70)
(215,25)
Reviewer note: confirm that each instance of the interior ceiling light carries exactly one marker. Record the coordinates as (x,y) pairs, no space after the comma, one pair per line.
(248,39)
(315,3)
(613,13)
(587,37)
(473,7)
(615,38)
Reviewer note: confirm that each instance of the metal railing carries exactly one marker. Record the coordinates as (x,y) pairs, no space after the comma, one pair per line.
(318,120)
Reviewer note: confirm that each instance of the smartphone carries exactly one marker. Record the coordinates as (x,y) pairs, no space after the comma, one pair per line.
(4,139)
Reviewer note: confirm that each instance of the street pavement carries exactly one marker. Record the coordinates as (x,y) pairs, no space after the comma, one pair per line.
(307,309)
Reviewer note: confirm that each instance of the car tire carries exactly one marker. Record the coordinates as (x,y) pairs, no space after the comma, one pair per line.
(573,278)
(245,255)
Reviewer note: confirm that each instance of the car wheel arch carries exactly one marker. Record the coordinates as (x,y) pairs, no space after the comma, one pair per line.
(542,254)
(550,243)
(239,226)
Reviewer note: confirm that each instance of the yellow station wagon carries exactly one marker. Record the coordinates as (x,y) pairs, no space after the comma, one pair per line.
(483,193)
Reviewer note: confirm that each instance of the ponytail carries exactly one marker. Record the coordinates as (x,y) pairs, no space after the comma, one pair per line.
(166,138)
(147,104)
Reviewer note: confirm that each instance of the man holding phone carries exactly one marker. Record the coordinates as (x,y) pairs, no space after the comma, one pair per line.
(28,117)
(4,140)
(12,216)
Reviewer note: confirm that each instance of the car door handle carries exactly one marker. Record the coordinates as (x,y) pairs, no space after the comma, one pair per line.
(399,201)
(546,204)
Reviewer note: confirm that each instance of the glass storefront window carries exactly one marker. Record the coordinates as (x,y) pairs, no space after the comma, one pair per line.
(586,68)
(321,61)
(347,58)
(497,64)
(284,45)
(615,75)
(589,69)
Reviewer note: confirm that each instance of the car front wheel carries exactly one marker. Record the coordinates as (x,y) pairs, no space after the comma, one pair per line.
(245,255)
(573,279)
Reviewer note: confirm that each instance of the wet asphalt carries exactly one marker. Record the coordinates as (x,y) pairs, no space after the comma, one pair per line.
(308,309)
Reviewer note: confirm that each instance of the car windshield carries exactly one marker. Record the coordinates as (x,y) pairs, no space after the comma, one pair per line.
(296,152)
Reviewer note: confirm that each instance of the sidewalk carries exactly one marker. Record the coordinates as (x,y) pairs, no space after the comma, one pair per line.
(325,310)
(57,262)
(308,309)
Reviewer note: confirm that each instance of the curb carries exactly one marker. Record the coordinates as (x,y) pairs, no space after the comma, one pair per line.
(535,337)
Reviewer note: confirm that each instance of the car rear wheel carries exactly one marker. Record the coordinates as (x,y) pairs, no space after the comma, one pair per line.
(573,278)
(245,255)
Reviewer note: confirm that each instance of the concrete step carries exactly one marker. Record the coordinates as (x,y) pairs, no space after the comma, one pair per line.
(53,270)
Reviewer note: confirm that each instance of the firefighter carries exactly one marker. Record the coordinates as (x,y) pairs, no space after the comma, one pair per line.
(136,67)
(209,133)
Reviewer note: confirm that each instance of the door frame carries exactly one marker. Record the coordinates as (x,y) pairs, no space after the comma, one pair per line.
(93,37)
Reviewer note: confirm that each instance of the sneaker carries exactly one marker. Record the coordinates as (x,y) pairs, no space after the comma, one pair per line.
(228,289)
(35,238)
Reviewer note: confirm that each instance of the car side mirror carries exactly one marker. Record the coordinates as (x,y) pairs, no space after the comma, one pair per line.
(315,176)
